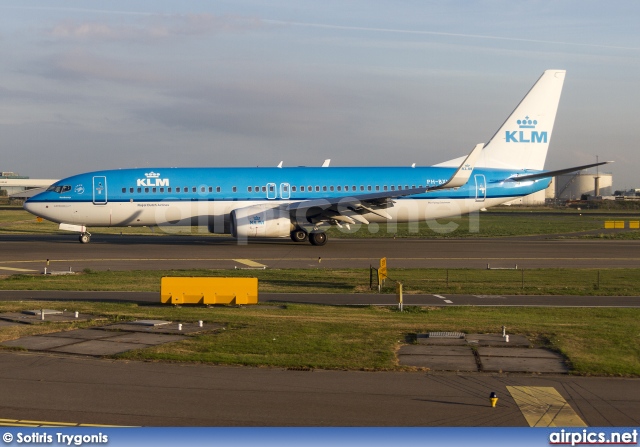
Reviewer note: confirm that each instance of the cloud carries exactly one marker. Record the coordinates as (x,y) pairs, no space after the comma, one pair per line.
(155,27)
(82,65)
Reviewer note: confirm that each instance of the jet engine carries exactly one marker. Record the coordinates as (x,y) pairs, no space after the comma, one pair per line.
(260,221)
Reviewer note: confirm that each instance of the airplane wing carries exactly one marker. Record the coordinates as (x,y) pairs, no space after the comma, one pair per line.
(348,210)
(547,174)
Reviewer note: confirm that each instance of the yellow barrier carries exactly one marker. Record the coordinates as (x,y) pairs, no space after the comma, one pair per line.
(634,225)
(619,224)
(204,290)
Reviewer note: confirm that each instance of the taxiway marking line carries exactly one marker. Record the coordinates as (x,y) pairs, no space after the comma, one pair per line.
(250,263)
(543,406)
(444,299)
(28,423)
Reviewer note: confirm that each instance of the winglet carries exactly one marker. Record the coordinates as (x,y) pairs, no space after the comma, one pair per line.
(326,163)
(461,176)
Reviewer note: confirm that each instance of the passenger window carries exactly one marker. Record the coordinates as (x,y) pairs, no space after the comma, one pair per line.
(217,189)
(131,190)
(293,189)
(339,188)
(393,187)
(302,188)
(124,190)
(210,188)
(146,190)
(202,189)
(324,188)
(168,189)
(193,189)
(249,188)
(178,189)
(369,188)
(139,190)
(234,189)
(161,189)
(264,189)
(361,188)
(377,187)
(317,188)
(153,190)
(385,187)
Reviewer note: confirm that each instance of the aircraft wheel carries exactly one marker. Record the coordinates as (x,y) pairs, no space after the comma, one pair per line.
(318,239)
(299,235)
(85,238)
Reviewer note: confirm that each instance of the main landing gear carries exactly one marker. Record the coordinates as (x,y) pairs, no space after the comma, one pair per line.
(299,235)
(317,238)
(85,238)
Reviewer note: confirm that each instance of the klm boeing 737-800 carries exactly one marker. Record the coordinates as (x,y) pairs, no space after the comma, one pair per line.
(301,202)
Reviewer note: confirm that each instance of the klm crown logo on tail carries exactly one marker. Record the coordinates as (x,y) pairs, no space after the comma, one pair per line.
(526,136)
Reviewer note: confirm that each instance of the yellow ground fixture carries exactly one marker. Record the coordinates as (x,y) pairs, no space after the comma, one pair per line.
(206,290)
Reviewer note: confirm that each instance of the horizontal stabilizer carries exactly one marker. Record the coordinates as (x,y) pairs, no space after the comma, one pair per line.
(548,174)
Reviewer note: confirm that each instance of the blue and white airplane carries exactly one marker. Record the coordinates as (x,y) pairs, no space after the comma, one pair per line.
(302,202)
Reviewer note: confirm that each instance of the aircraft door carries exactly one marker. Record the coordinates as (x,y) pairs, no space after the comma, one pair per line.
(285,191)
(271,191)
(100,190)
(481,187)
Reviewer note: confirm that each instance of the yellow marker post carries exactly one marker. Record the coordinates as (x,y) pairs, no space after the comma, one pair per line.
(382,272)
(400,300)
(493,397)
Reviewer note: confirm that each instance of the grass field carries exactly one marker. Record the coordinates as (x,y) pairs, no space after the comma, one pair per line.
(595,341)
(603,282)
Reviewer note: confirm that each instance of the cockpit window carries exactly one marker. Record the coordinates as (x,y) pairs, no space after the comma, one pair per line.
(59,188)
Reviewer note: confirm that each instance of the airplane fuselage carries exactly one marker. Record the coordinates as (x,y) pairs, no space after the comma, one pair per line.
(206,197)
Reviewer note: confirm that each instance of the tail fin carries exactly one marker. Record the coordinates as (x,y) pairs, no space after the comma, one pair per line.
(523,140)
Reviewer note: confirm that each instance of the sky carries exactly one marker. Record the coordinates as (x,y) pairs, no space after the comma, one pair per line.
(89,85)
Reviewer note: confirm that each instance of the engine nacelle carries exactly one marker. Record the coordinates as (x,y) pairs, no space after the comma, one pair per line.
(260,221)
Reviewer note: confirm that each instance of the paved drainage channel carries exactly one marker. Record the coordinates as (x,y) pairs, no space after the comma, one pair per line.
(455,351)
(100,341)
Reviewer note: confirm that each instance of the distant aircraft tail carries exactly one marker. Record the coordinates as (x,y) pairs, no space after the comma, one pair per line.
(523,140)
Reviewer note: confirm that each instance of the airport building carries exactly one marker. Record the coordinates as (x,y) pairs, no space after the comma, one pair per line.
(7,183)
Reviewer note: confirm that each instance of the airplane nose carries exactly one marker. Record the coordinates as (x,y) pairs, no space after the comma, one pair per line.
(35,208)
